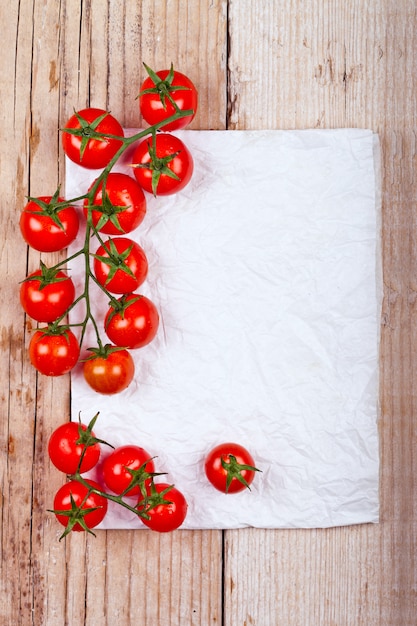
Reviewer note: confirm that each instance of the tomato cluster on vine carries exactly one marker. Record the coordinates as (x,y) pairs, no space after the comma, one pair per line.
(113,206)
(126,477)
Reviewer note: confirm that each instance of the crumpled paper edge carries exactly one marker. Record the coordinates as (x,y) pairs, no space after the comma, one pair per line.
(379,279)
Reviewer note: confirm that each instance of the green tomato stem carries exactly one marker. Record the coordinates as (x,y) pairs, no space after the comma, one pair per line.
(91,231)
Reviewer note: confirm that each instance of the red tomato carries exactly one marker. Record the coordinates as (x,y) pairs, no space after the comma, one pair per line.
(134,324)
(111,372)
(76,498)
(46,227)
(123,207)
(86,151)
(164,170)
(54,352)
(68,443)
(116,466)
(156,93)
(230,468)
(45,295)
(120,265)
(165,506)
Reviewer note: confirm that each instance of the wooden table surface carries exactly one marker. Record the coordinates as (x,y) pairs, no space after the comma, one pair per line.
(258,64)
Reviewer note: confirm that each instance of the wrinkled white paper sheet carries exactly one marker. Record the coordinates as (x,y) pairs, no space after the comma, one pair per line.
(265,271)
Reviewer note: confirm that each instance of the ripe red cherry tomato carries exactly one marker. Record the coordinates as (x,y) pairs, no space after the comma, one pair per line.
(116,466)
(135,324)
(165,168)
(168,508)
(75,493)
(156,91)
(120,265)
(46,295)
(65,448)
(123,207)
(230,467)
(54,353)
(82,148)
(47,228)
(111,372)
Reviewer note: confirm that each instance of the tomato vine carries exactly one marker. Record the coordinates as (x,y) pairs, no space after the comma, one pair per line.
(94,139)
(82,503)
(161,165)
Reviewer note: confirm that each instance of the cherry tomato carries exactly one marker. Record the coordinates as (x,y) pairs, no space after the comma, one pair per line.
(110,372)
(67,444)
(155,94)
(46,227)
(92,153)
(122,208)
(54,352)
(230,467)
(134,324)
(116,466)
(74,494)
(165,168)
(166,507)
(120,265)
(45,295)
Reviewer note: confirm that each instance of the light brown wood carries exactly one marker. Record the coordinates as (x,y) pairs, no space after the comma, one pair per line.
(258,64)
(327,65)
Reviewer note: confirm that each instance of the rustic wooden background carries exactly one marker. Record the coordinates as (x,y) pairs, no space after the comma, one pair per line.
(258,64)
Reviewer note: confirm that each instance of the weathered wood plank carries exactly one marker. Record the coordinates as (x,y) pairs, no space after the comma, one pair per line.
(315,64)
(20,532)
(61,56)
(327,65)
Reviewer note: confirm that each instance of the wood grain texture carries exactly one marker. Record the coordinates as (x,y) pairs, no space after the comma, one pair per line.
(326,65)
(258,64)
(60,56)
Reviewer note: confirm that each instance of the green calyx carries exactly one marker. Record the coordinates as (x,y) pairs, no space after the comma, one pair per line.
(115,260)
(140,478)
(109,212)
(56,329)
(234,470)
(87,130)
(163,87)
(154,498)
(119,306)
(48,276)
(103,351)
(158,165)
(50,208)
(75,516)
(86,437)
